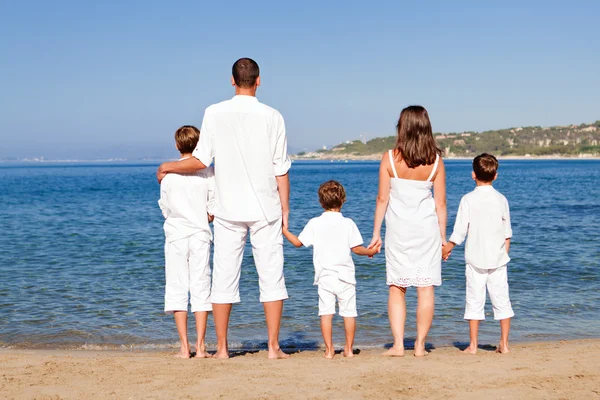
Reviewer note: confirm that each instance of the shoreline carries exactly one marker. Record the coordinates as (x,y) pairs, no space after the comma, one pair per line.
(556,369)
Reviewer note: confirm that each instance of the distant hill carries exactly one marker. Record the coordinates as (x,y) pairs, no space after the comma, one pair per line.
(567,141)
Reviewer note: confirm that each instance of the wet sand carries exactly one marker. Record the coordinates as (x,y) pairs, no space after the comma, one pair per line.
(551,370)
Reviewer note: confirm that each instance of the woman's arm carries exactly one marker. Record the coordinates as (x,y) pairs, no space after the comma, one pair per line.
(383,198)
(439,194)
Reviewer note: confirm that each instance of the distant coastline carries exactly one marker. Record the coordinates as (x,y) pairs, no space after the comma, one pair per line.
(377,157)
(520,143)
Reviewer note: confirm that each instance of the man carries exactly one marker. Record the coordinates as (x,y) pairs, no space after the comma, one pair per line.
(247,142)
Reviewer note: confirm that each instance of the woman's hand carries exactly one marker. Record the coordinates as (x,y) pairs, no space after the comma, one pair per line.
(375,243)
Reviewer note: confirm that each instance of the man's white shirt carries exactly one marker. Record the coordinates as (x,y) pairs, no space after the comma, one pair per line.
(332,237)
(247,142)
(484,215)
(185,200)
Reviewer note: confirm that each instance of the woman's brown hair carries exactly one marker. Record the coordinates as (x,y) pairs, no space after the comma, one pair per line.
(415,142)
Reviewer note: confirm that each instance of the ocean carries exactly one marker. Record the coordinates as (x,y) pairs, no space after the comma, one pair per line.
(81,258)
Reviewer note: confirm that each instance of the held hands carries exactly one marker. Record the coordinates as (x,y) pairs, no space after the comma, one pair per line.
(375,245)
(447,250)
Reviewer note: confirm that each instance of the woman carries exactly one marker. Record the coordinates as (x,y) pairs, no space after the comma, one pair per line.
(415,223)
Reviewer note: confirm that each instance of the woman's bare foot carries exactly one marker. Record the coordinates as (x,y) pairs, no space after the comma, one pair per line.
(470,350)
(329,354)
(221,354)
(349,353)
(394,352)
(420,349)
(277,355)
(502,348)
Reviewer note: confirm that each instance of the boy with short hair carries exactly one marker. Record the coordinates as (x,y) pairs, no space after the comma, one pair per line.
(333,238)
(484,216)
(186,201)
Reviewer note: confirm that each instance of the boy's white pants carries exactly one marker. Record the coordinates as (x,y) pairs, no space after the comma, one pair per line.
(187,270)
(496,282)
(267,249)
(331,288)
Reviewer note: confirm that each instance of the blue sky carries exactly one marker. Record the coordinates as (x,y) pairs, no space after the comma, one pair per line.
(116,78)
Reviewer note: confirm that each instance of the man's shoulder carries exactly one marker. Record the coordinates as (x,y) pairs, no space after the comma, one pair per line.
(269,110)
(218,107)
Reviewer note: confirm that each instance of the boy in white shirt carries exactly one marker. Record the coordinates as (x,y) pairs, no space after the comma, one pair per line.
(333,238)
(186,201)
(484,215)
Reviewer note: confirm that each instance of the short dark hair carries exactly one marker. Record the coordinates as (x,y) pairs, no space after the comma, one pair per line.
(186,138)
(415,141)
(332,195)
(485,167)
(245,71)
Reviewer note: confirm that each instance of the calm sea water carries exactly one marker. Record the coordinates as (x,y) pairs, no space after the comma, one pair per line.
(81,258)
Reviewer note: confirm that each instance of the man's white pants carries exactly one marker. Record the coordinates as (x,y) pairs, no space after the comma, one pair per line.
(187,270)
(496,282)
(267,249)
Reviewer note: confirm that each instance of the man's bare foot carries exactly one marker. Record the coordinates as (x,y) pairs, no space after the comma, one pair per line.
(277,355)
(470,350)
(503,349)
(394,352)
(420,349)
(348,353)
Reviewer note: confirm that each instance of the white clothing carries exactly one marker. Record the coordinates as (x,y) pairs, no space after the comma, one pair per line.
(332,288)
(413,244)
(247,142)
(185,200)
(485,216)
(496,281)
(267,249)
(332,236)
(187,269)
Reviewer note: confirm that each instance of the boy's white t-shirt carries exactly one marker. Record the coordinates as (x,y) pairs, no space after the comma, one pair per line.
(484,216)
(332,237)
(185,200)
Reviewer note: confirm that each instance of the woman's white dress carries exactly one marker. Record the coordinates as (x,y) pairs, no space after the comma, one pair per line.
(413,245)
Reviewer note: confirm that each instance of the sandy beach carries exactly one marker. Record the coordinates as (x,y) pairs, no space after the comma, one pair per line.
(550,370)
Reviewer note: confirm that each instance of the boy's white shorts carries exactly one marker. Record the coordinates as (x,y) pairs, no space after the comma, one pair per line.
(496,282)
(187,270)
(330,289)
(267,249)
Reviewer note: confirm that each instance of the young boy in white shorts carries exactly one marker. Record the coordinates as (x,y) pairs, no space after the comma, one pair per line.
(185,201)
(333,238)
(484,216)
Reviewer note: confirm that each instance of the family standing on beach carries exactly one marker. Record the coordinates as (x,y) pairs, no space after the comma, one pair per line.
(248,192)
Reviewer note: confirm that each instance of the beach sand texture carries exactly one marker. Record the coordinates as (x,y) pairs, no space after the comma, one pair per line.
(550,370)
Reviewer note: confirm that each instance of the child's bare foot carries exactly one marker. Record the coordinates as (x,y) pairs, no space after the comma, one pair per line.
(470,350)
(277,355)
(201,351)
(420,349)
(184,352)
(394,352)
(329,354)
(502,348)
